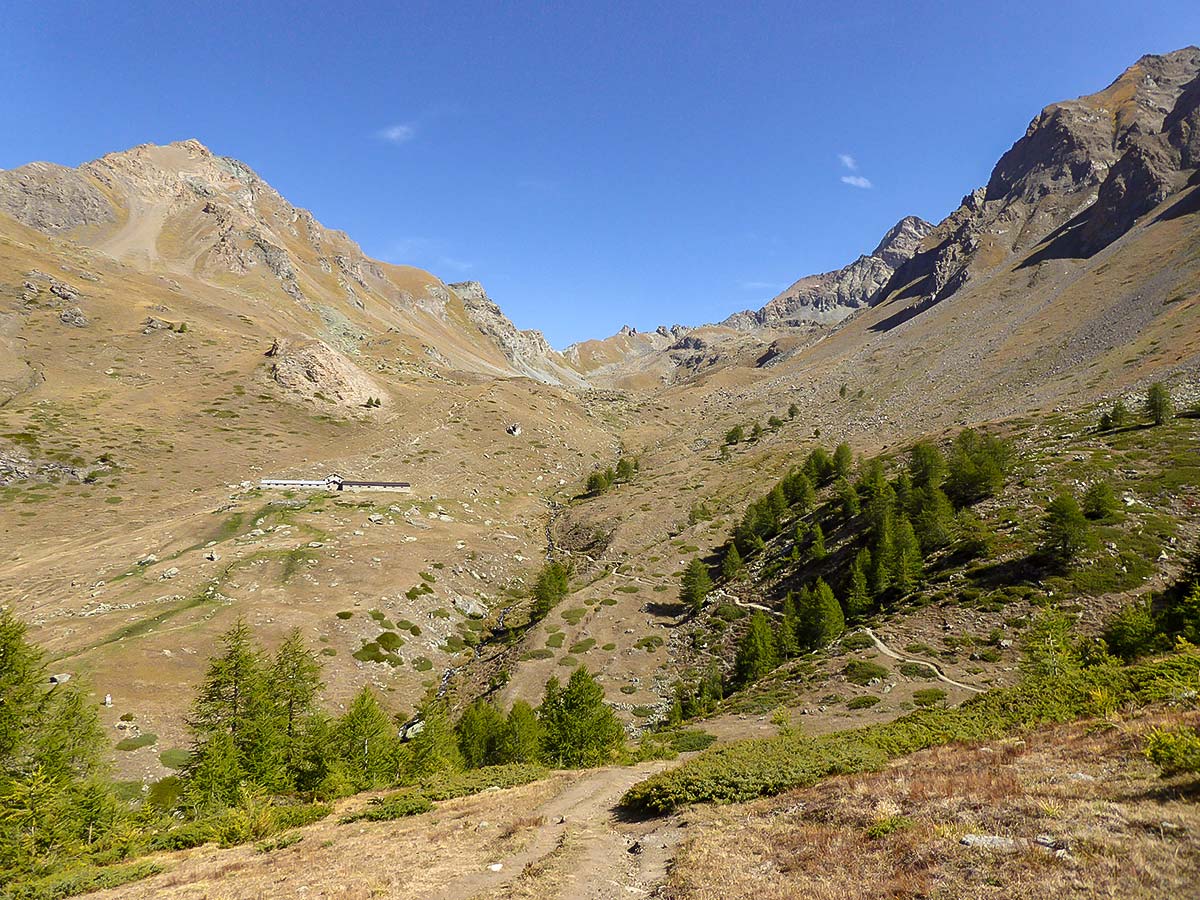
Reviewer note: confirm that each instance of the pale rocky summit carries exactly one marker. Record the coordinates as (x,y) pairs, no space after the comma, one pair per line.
(527,351)
(832,296)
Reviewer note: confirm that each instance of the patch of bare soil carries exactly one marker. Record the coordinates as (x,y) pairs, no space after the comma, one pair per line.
(556,838)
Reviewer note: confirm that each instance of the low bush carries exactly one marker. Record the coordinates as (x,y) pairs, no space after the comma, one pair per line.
(80,881)
(1175,751)
(448,785)
(137,743)
(862,672)
(392,806)
(917,670)
(860,640)
(753,768)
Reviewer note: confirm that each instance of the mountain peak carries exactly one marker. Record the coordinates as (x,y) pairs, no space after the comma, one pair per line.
(832,296)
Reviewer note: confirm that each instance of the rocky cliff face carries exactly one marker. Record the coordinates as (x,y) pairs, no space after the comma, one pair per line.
(527,351)
(1079,178)
(828,298)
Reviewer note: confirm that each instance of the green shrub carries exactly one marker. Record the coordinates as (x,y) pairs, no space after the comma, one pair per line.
(863,672)
(390,641)
(690,740)
(448,785)
(1175,751)
(137,743)
(753,768)
(345,614)
(83,880)
(280,843)
(887,825)
(392,806)
(175,757)
(917,670)
(300,815)
(860,640)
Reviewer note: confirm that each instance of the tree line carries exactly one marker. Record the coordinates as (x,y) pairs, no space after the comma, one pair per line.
(257,732)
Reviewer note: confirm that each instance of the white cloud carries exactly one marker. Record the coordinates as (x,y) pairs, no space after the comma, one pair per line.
(848,161)
(857,181)
(398,134)
(761,286)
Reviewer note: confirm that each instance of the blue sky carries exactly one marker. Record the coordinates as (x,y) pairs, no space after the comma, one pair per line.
(593,164)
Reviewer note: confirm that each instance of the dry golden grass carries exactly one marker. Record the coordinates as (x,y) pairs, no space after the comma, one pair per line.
(1128,832)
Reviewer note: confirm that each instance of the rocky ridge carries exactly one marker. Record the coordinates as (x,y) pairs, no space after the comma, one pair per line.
(1079,178)
(828,298)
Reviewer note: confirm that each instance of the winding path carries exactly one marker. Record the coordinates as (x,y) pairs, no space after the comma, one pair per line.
(941,676)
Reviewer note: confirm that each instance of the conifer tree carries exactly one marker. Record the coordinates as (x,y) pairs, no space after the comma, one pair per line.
(907,564)
(480,732)
(295,683)
(1066,532)
(365,742)
(711,690)
(843,460)
(977,467)
(732,566)
(579,727)
(926,465)
(552,584)
(858,594)
(435,747)
(932,516)
(798,491)
(56,731)
(21,677)
(1158,403)
(625,468)
(816,549)
(695,584)
(757,654)
(818,466)
(522,738)
(903,489)
(1100,502)
(848,497)
(213,774)
(879,575)
(1118,418)
(235,700)
(879,497)
(788,645)
(821,619)
(778,502)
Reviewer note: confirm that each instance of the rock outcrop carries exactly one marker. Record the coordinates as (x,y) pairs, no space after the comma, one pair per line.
(312,370)
(527,351)
(828,298)
(1084,172)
